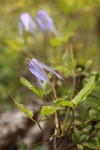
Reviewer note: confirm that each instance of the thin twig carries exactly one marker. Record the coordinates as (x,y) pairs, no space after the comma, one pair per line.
(74,82)
(57,122)
(46,140)
(54,143)
(71,120)
(56,119)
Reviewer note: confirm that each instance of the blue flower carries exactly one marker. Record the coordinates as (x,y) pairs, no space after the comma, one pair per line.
(26,23)
(36,68)
(45,22)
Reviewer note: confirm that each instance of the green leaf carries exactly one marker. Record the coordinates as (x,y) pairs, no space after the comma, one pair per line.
(44,147)
(64,69)
(25,82)
(91,146)
(47,88)
(56,42)
(97,125)
(67,36)
(47,110)
(63,102)
(87,65)
(77,134)
(82,95)
(80,147)
(87,129)
(83,138)
(92,114)
(36,90)
(99,137)
(28,112)
(93,102)
(14,44)
(73,62)
(23,146)
(66,103)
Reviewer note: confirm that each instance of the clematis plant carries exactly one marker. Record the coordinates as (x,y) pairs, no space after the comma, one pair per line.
(26,23)
(66,118)
(36,68)
(59,106)
(45,22)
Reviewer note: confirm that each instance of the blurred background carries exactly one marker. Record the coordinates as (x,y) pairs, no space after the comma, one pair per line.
(78,20)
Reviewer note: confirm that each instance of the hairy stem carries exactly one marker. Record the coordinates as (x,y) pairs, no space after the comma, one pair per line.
(56,118)
(54,144)
(57,122)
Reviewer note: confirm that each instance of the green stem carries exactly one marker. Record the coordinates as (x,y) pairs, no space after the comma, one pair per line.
(66,116)
(37,122)
(67,113)
(74,82)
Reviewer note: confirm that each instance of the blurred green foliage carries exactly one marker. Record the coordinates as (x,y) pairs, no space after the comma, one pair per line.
(80,20)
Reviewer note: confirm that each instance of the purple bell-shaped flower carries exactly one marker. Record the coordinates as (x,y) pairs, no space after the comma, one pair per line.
(45,22)
(36,68)
(27,24)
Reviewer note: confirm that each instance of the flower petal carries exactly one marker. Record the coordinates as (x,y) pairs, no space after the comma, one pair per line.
(45,22)
(49,69)
(27,23)
(20,25)
(39,83)
(38,72)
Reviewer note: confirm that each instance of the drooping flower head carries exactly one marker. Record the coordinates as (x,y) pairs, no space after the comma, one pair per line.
(26,23)
(36,68)
(45,22)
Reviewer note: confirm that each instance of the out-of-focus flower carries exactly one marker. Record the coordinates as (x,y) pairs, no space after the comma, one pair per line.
(45,22)
(27,24)
(36,68)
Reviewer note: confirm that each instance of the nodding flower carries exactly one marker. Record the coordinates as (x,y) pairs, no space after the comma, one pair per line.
(27,24)
(36,68)
(45,22)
